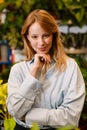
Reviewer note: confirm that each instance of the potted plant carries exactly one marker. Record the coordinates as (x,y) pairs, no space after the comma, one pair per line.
(8,121)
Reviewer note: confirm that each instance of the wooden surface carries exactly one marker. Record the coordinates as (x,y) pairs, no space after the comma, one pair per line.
(76,51)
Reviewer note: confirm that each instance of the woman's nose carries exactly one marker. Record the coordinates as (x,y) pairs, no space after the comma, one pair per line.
(41,41)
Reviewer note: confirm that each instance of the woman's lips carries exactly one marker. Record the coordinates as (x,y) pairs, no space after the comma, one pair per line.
(42,49)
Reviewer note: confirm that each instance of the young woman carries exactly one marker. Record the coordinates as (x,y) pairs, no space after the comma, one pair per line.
(48,87)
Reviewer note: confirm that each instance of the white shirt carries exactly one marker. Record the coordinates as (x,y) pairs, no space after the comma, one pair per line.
(56,101)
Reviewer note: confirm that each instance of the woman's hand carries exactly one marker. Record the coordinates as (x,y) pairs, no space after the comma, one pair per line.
(39,61)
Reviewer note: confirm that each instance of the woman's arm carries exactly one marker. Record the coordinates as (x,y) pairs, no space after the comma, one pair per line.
(21,93)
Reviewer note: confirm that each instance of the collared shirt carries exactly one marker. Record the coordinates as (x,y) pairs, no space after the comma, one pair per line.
(55,101)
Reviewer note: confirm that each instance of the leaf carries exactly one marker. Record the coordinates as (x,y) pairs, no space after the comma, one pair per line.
(79,15)
(9,124)
(1,111)
(35,127)
(67,128)
(1,81)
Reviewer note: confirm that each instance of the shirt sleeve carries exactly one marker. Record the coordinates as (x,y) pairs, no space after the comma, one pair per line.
(68,113)
(21,93)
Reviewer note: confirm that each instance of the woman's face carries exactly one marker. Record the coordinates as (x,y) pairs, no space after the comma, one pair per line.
(40,40)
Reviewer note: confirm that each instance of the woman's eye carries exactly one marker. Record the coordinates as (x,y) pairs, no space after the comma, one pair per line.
(46,36)
(34,37)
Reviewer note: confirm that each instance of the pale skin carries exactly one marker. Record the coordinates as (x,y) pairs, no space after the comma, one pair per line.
(41,42)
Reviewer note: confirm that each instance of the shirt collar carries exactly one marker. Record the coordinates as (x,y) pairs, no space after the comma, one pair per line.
(32,61)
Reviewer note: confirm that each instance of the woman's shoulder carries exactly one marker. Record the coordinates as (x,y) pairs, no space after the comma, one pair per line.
(72,66)
(19,66)
(71,62)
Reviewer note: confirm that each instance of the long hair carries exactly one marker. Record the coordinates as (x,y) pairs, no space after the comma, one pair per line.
(48,23)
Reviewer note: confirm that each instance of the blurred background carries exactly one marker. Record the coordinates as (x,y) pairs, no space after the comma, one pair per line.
(71,17)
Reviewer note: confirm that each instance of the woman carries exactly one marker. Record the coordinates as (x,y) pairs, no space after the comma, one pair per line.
(47,88)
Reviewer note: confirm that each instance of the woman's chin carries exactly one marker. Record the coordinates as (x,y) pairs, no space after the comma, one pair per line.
(42,52)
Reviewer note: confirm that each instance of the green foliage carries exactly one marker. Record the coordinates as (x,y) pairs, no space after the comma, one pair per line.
(35,127)
(9,124)
(3,96)
(68,128)
(82,62)
(76,11)
(17,11)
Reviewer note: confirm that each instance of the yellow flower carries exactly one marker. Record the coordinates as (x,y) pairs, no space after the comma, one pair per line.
(3,96)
